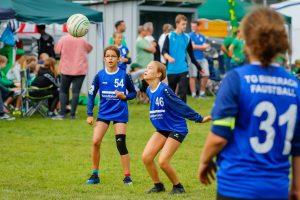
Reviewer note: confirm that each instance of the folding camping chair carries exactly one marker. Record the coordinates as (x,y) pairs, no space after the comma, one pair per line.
(30,103)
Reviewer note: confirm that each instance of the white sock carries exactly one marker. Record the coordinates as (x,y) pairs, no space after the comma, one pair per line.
(202,93)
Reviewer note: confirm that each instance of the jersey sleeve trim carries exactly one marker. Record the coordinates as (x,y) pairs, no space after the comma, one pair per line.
(227,122)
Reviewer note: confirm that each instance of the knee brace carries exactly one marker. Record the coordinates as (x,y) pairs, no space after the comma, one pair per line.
(121,144)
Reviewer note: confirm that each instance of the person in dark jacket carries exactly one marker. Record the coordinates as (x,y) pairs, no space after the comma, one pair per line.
(46,77)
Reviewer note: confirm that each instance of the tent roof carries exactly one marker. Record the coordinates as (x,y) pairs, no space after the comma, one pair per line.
(48,12)
(6,13)
(218,9)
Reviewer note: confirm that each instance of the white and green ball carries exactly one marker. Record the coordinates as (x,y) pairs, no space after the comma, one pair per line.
(78,25)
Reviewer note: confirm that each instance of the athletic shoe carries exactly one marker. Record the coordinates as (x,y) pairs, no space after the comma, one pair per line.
(177,190)
(17,113)
(73,117)
(6,117)
(59,117)
(127,181)
(94,179)
(202,96)
(157,189)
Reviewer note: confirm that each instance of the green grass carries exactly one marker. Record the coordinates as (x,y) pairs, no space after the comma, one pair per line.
(46,159)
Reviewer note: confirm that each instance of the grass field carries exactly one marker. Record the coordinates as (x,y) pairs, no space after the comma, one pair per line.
(46,159)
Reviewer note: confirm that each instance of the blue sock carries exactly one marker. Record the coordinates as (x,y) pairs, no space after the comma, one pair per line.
(95,171)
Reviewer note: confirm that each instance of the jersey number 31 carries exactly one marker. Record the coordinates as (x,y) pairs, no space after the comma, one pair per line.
(289,118)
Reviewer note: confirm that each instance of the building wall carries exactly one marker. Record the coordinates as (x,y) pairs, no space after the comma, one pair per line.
(113,12)
(95,58)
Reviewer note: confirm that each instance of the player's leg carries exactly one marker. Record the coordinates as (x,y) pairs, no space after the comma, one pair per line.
(193,72)
(205,75)
(120,132)
(154,145)
(99,132)
(172,144)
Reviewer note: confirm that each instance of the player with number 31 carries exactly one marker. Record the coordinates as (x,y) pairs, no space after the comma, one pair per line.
(256,120)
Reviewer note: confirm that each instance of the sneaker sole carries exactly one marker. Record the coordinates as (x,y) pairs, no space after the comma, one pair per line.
(128,184)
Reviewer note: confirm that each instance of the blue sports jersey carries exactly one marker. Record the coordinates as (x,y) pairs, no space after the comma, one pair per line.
(124,53)
(168,112)
(111,108)
(177,49)
(198,39)
(257,111)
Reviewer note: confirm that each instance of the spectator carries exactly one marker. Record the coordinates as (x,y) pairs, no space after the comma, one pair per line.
(148,27)
(46,77)
(124,52)
(176,46)
(167,28)
(199,45)
(236,50)
(73,67)
(144,56)
(3,115)
(144,48)
(46,42)
(120,28)
(225,48)
(9,91)
(296,69)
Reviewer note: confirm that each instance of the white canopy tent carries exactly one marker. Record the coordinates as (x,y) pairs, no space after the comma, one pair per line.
(292,8)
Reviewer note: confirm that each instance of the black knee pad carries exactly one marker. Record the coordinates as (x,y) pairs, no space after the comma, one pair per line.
(121,144)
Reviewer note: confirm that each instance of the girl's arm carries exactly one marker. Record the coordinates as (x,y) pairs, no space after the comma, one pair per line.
(128,56)
(295,183)
(172,101)
(130,88)
(91,96)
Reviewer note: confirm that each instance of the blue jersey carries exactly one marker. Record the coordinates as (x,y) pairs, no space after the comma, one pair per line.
(168,112)
(257,111)
(198,39)
(124,53)
(111,108)
(177,49)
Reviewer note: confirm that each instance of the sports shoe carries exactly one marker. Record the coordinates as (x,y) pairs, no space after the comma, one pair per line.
(17,113)
(59,117)
(177,190)
(73,117)
(202,96)
(157,189)
(6,117)
(94,179)
(127,180)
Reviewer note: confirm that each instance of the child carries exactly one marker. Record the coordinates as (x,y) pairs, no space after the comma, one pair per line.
(6,89)
(256,120)
(124,52)
(112,84)
(167,113)
(296,69)
(46,77)
(10,91)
